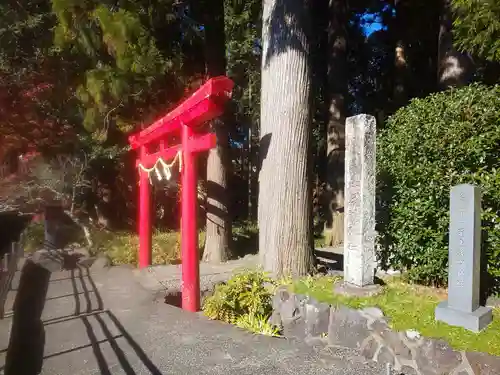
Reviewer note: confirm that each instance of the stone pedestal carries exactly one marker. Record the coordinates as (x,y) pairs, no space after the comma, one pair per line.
(462,307)
(359,222)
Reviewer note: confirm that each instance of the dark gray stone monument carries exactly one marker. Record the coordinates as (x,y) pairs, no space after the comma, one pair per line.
(462,307)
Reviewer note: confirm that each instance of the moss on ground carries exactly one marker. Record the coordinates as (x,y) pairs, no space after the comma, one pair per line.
(409,307)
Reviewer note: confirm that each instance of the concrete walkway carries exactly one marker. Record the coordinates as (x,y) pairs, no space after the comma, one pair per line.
(83,321)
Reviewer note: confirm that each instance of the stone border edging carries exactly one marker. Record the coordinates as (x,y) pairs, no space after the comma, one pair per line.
(317,323)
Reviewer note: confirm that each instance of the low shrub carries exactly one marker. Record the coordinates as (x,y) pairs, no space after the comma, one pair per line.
(245,300)
(34,236)
(434,143)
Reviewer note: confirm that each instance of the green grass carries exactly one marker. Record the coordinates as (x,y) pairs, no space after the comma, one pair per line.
(409,307)
(319,242)
(121,247)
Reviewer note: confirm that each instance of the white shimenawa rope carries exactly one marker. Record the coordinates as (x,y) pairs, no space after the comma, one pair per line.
(166,168)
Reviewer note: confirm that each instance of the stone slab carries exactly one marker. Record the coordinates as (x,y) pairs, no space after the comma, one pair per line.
(359,190)
(474,321)
(464,248)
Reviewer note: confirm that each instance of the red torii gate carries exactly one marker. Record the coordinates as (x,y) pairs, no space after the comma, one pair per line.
(205,104)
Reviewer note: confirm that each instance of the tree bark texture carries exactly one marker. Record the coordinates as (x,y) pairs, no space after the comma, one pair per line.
(335,132)
(285,199)
(218,227)
(455,69)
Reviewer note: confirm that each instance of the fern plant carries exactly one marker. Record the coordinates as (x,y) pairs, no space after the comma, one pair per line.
(257,324)
(245,300)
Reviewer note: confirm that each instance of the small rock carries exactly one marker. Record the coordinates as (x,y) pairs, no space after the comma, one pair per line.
(379,326)
(385,356)
(412,334)
(483,364)
(39,255)
(394,341)
(288,309)
(280,295)
(294,328)
(317,318)
(315,342)
(435,357)
(348,328)
(407,370)
(370,349)
(275,319)
(292,314)
(373,312)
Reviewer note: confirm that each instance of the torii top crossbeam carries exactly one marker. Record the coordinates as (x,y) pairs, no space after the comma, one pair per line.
(205,104)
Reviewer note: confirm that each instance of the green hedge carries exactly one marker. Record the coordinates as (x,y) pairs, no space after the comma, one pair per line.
(427,147)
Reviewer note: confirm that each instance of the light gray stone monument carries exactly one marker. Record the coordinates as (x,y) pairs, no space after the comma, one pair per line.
(359,206)
(462,307)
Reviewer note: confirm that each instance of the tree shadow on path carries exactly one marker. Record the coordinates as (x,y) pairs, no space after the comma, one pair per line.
(25,353)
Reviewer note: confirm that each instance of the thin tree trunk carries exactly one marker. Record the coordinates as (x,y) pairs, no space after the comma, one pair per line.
(401,73)
(218,228)
(285,199)
(335,132)
(400,95)
(85,229)
(455,69)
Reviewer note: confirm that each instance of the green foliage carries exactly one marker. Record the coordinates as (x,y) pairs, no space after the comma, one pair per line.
(120,55)
(34,237)
(477,27)
(257,324)
(429,146)
(245,300)
(242,21)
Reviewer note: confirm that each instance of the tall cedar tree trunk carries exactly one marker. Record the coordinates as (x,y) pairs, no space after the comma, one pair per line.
(335,132)
(218,235)
(454,68)
(285,199)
